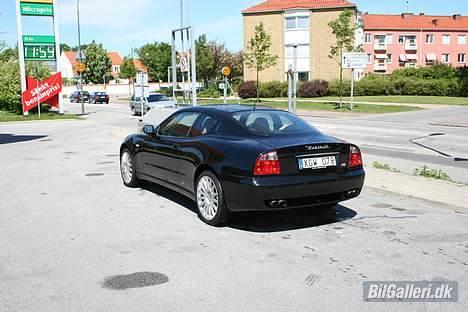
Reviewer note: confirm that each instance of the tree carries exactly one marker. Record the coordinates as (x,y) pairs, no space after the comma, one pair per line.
(258,54)
(223,57)
(344,29)
(98,64)
(10,87)
(7,53)
(205,60)
(157,57)
(128,69)
(65,47)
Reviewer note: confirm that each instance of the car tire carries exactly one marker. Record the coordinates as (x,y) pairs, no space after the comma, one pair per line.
(127,169)
(210,200)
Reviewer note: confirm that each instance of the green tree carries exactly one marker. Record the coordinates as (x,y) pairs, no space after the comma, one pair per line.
(157,57)
(223,57)
(38,70)
(10,87)
(344,30)
(205,61)
(128,69)
(258,54)
(98,64)
(7,53)
(65,47)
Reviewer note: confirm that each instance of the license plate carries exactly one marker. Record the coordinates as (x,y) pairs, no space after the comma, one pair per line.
(317,163)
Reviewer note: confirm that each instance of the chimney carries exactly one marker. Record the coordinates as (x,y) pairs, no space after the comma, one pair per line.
(405,15)
(422,14)
(435,22)
(456,16)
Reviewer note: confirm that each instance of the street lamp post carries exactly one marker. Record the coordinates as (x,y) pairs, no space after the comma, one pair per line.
(80,56)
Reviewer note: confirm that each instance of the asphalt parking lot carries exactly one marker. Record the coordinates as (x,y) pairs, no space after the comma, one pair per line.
(73,238)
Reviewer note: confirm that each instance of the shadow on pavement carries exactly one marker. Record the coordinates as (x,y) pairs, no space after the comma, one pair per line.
(264,222)
(11,138)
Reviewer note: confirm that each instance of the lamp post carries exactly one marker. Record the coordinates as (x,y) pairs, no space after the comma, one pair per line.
(80,56)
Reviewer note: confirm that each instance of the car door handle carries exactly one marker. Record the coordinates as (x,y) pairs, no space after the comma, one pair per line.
(176,146)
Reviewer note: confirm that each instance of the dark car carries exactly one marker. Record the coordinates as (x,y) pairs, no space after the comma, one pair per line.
(99,97)
(76,96)
(243,158)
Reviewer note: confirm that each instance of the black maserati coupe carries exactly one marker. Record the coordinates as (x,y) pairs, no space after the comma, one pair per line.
(231,158)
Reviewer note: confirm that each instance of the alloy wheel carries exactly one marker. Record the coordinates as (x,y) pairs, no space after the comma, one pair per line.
(207,198)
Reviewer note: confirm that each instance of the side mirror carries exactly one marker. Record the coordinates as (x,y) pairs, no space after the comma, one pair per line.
(148,129)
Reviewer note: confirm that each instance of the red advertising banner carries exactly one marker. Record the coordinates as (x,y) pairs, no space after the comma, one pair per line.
(42,91)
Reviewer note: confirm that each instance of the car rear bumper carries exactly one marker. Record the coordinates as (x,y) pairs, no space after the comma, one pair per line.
(275,193)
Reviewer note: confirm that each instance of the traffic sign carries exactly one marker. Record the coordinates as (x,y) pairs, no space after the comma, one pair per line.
(80,67)
(354,60)
(226,71)
(36,9)
(184,65)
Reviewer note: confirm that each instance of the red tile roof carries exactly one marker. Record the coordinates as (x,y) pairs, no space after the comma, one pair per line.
(71,55)
(282,5)
(139,66)
(415,22)
(115,58)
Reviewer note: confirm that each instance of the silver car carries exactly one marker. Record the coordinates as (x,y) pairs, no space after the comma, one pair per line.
(154,101)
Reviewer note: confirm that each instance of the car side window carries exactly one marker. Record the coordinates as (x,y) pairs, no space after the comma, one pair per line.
(178,125)
(205,125)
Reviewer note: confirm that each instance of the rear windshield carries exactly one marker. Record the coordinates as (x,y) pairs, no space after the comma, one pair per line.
(272,122)
(100,93)
(157,98)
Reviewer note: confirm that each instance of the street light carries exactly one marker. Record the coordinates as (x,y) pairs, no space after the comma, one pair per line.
(80,57)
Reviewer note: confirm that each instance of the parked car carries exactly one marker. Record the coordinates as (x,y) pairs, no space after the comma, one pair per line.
(99,97)
(154,101)
(155,117)
(76,96)
(241,158)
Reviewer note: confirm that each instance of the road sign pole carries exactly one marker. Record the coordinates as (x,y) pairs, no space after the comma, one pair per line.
(174,67)
(352,90)
(142,95)
(225,90)
(22,64)
(290,78)
(295,79)
(194,67)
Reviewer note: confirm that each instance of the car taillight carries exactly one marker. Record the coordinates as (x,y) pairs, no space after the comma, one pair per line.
(355,157)
(267,164)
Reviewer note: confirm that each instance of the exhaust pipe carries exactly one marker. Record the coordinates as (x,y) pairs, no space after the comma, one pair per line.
(283,204)
(274,204)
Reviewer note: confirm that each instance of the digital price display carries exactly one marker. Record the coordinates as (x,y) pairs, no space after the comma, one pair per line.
(39,52)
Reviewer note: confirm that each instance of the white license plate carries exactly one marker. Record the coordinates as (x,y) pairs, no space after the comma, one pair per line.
(317,163)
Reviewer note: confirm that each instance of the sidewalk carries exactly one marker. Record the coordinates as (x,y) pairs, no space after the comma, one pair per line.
(441,192)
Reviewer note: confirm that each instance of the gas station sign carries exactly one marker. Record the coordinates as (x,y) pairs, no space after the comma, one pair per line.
(39,48)
(36,9)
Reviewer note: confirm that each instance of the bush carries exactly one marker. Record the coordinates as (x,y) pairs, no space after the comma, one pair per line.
(334,89)
(273,89)
(248,90)
(10,87)
(316,88)
(211,92)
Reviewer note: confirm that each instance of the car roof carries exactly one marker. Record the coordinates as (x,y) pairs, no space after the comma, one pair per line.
(225,109)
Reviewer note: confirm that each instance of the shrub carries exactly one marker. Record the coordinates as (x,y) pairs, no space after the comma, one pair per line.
(10,87)
(248,90)
(316,88)
(334,89)
(211,92)
(273,89)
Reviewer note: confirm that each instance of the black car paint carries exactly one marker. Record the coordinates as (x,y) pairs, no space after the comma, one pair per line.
(176,163)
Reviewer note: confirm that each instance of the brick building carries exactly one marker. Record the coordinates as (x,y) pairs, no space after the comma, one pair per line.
(407,40)
(300,22)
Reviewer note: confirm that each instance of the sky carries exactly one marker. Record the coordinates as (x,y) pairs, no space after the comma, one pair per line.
(122,25)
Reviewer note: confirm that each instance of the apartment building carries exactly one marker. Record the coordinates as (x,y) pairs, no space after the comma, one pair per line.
(407,40)
(303,23)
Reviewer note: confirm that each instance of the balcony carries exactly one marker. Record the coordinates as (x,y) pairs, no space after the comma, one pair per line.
(380,67)
(380,46)
(411,45)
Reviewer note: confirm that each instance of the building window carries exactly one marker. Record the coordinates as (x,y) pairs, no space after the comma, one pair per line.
(380,39)
(389,58)
(369,58)
(297,23)
(404,38)
(368,38)
(303,51)
(461,58)
(445,39)
(446,58)
(389,39)
(462,39)
(430,39)
(303,76)
(116,69)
